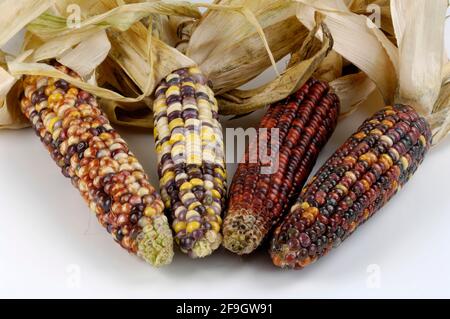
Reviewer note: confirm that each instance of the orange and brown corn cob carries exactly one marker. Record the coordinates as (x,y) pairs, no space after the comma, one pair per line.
(305,122)
(92,154)
(353,184)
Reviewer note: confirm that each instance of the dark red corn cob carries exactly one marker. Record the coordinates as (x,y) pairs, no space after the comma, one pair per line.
(353,184)
(305,122)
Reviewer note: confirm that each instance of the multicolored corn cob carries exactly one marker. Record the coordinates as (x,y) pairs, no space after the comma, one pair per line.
(353,184)
(305,122)
(90,152)
(191,164)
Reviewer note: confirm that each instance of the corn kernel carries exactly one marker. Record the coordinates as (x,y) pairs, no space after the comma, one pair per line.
(192,226)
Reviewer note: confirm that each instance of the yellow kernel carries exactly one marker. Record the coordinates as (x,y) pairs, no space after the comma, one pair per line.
(194,70)
(191,84)
(173,90)
(176,138)
(388,159)
(167,177)
(52,123)
(211,211)
(404,162)
(179,227)
(192,226)
(218,182)
(55,98)
(215,193)
(304,205)
(196,182)
(176,123)
(194,159)
(49,90)
(423,140)
(342,188)
(186,186)
(220,171)
(194,205)
(219,219)
(73,91)
(150,211)
(215,226)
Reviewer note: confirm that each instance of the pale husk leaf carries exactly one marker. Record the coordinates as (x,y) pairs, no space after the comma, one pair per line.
(418,62)
(352,89)
(358,40)
(87,55)
(42,69)
(130,51)
(18,13)
(421,29)
(231,46)
(10,115)
(238,102)
(121,18)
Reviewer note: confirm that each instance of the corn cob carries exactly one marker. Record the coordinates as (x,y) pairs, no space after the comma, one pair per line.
(191,164)
(82,142)
(305,122)
(352,185)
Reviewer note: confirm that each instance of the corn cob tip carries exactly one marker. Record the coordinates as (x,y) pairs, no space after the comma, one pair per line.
(282,257)
(155,241)
(206,246)
(242,232)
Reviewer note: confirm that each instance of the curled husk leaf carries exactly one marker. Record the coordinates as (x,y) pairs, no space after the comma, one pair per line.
(245,101)
(84,48)
(414,71)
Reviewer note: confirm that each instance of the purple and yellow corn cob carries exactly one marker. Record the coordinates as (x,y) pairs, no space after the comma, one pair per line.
(353,184)
(191,165)
(305,122)
(92,154)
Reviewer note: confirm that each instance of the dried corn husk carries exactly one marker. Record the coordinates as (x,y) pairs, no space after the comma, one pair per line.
(86,47)
(303,65)
(228,48)
(414,72)
(14,18)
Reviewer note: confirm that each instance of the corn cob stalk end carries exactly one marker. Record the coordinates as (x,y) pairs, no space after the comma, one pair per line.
(205,246)
(249,235)
(155,242)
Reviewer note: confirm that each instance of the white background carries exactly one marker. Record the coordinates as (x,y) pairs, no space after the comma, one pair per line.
(52,246)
